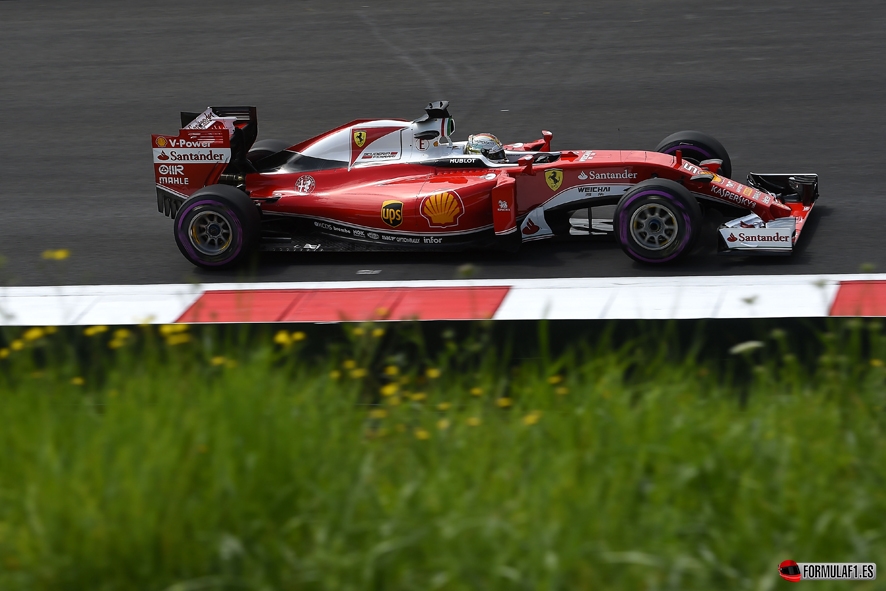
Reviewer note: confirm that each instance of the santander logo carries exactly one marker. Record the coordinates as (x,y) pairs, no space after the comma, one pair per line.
(732,238)
(531,228)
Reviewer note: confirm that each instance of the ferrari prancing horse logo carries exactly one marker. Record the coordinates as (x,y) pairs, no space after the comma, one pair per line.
(359,138)
(554,178)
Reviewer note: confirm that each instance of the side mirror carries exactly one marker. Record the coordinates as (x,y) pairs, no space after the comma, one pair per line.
(526,164)
(548,136)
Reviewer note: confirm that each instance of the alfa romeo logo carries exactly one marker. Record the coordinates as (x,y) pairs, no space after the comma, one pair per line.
(359,138)
(554,178)
(305,184)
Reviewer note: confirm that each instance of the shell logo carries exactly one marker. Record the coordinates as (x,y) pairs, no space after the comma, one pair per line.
(161,142)
(442,209)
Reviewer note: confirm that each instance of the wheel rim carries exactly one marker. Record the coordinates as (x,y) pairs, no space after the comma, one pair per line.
(654,227)
(210,233)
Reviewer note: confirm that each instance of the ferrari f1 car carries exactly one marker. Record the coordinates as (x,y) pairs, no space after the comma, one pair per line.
(394,184)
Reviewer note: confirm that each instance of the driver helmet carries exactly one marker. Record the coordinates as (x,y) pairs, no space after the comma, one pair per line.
(487,145)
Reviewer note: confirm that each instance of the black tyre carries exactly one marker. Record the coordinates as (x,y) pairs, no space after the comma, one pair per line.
(264,148)
(657,221)
(218,226)
(695,147)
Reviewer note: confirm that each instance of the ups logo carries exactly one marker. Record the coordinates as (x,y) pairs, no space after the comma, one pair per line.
(392,213)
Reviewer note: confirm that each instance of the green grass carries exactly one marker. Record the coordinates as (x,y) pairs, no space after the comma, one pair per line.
(351,464)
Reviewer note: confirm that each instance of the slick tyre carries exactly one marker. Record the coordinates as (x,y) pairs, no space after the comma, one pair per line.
(264,148)
(696,146)
(657,221)
(217,227)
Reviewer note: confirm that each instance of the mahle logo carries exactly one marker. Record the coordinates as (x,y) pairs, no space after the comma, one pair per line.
(392,213)
(359,138)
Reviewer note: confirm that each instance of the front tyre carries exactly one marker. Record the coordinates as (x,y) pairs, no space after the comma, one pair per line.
(217,227)
(696,146)
(657,221)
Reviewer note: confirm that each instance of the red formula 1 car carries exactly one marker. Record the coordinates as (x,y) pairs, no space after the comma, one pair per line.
(393,184)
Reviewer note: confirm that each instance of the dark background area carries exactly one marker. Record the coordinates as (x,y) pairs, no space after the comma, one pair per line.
(786,86)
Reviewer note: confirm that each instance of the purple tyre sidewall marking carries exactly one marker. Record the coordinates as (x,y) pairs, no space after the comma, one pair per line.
(182,232)
(624,230)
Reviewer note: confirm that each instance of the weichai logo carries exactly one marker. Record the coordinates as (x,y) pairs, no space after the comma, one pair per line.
(392,213)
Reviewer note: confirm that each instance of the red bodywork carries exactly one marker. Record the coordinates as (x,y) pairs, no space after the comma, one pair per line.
(407,198)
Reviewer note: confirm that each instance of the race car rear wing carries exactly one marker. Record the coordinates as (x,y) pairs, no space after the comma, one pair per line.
(210,148)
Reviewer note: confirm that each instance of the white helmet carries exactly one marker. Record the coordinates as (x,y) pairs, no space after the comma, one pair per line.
(487,145)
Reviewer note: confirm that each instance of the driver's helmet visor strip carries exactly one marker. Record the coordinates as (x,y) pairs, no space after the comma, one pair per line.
(790,570)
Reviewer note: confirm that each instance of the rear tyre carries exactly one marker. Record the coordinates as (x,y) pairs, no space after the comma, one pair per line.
(657,221)
(217,227)
(696,146)
(264,148)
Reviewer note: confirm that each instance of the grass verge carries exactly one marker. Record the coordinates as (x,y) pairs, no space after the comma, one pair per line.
(181,459)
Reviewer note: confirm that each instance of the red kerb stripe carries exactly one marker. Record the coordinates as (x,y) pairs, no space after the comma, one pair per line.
(333,305)
(860,298)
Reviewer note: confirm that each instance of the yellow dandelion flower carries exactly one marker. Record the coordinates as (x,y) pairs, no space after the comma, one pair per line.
(50,329)
(532,418)
(358,332)
(389,389)
(394,401)
(17,345)
(473,421)
(561,390)
(94,330)
(78,381)
(177,339)
(32,334)
(335,374)
(56,255)
(443,424)
(504,402)
(444,406)
(116,344)
(378,413)
(433,373)
(392,370)
(475,391)
(298,336)
(122,334)
(4,353)
(358,373)
(555,380)
(876,363)
(218,360)
(422,434)
(418,397)
(378,332)
(170,329)
(349,364)
(282,338)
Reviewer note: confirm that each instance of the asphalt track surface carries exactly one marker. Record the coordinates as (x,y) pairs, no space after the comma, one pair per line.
(787,87)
